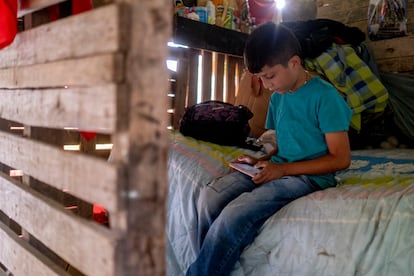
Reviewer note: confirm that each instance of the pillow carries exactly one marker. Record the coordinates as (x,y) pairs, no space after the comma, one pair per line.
(268,141)
(253,95)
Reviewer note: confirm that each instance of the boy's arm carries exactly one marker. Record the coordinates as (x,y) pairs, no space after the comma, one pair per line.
(245,158)
(338,158)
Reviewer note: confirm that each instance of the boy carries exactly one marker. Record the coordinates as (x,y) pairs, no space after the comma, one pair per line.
(311,121)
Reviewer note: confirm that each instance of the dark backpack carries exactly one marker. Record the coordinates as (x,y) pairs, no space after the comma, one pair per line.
(317,35)
(217,122)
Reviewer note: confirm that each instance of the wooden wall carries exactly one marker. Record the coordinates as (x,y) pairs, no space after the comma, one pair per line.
(391,55)
(210,69)
(97,71)
(220,75)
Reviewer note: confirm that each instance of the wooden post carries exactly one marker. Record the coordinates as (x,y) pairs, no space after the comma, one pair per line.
(142,147)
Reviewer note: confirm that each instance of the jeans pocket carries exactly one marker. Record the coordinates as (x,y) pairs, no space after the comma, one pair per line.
(235,182)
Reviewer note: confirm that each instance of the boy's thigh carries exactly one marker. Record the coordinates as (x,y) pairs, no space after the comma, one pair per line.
(286,189)
(221,191)
(233,183)
(268,198)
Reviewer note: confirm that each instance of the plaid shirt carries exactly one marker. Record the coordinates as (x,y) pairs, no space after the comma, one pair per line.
(353,78)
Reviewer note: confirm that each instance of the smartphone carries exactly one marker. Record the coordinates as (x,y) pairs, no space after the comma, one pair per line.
(245,168)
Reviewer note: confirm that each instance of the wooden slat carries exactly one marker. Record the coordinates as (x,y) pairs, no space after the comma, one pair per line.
(220,76)
(181,90)
(393,48)
(86,245)
(394,55)
(96,70)
(20,258)
(91,179)
(192,77)
(29,6)
(95,32)
(207,70)
(92,109)
(401,64)
(231,74)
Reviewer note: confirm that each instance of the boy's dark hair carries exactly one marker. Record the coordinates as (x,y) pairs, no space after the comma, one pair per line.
(270,44)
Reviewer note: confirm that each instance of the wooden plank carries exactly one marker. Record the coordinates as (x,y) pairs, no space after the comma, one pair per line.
(392,48)
(207,70)
(209,37)
(92,108)
(231,75)
(181,90)
(393,55)
(220,77)
(22,259)
(95,70)
(342,11)
(400,64)
(29,6)
(95,32)
(91,179)
(84,244)
(192,77)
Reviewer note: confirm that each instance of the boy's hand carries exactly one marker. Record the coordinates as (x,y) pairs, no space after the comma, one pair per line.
(269,171)
(247,159)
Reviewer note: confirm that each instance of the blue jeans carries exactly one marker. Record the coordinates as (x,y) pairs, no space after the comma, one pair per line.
(231,211)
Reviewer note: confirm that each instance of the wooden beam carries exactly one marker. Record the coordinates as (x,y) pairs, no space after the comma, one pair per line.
(208,37)
(143,251)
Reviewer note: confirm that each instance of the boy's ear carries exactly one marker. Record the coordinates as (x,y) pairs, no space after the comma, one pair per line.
(295,61)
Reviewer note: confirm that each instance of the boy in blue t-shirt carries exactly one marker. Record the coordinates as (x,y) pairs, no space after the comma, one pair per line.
(311,121)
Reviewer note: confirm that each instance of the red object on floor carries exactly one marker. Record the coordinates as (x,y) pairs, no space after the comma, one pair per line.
(87,135)
(8,22)
(100,214)
(79,6)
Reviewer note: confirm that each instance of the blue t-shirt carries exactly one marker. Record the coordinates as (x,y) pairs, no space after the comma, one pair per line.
(301,120)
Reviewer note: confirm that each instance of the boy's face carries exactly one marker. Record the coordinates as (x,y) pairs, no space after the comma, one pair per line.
(281,79)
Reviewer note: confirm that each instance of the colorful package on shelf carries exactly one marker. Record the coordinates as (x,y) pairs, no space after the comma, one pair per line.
(230,14)
(387,19)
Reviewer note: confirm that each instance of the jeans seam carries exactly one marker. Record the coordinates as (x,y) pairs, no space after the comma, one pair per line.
(230,252)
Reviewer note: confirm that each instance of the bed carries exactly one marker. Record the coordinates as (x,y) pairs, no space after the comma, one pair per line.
(363,226)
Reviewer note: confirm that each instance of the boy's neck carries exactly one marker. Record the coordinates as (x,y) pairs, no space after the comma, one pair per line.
(304,77)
